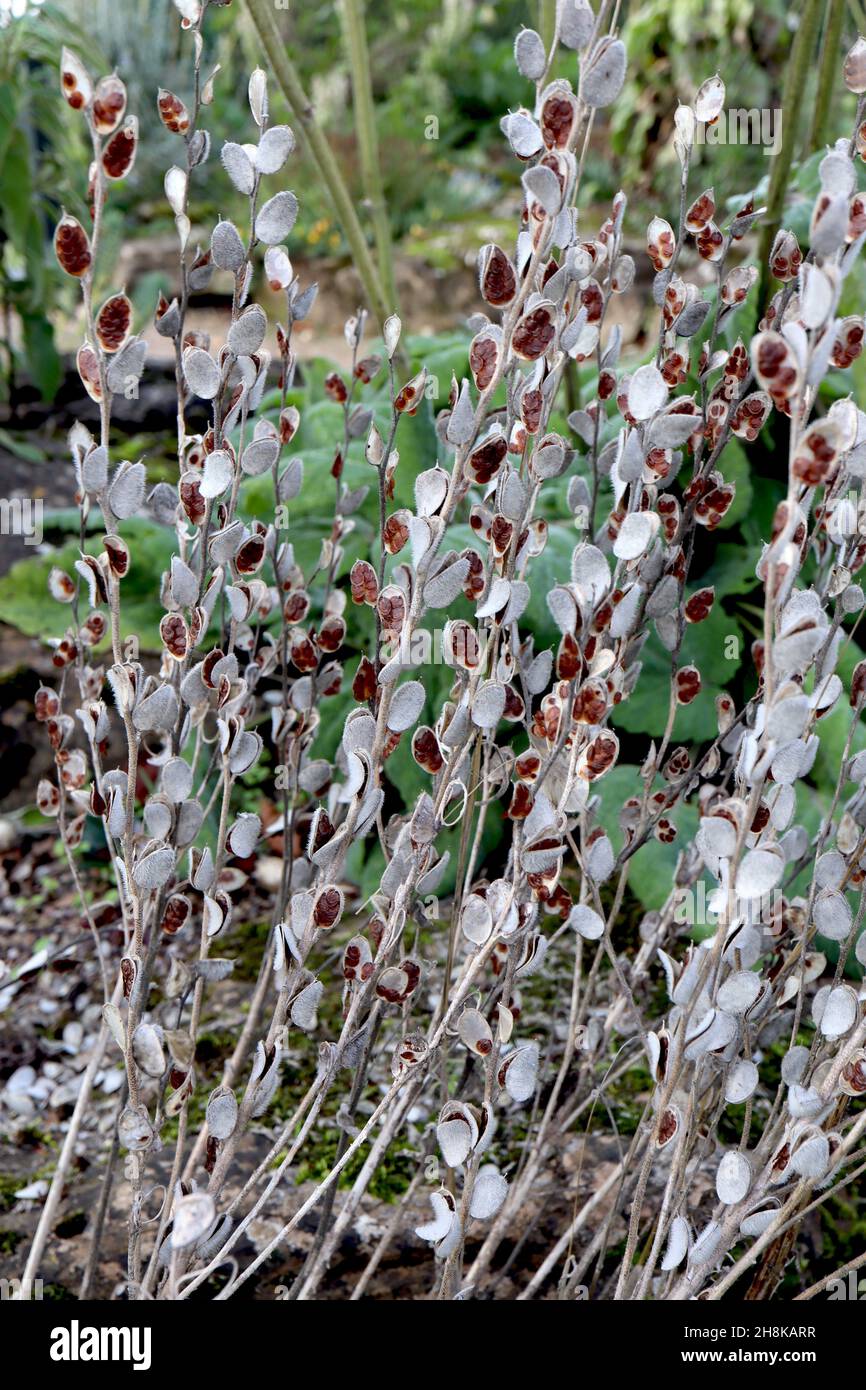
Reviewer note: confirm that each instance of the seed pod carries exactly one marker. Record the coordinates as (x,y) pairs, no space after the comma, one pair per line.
(410,396)
(172,112)
(278,268)
(699,606)
(474,1031)
(47,798)
(364,685)
(75,81)
(176,914)
(147,1049)
(848,343)
(113,323)
(687,684)
(604,72)
(134,1129)
(60,586)
(175,635)
(534,332)
(775,367)
(660,243)
(109,104)
(222,1113)
(410,1053)
(668,1126)
(858,685)
(364,584)
(87,363)
(852,1082)
(397,982)
(484,356)
(701,211)
(487,458)
(331,634)
(529,55)
(854,70)
(558,114)
(816,453)
(328,908)
(118,156)
(496,276)
(785,256)
(72,246)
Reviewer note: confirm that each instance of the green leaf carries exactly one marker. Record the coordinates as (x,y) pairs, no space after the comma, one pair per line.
(27,604)
(43,360)
(652,867)
(715,647)
(16,191)
(735,468)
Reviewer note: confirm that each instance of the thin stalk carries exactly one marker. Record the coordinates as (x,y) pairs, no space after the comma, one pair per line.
(355,36)
(828,73)
(796,77)
(321,154)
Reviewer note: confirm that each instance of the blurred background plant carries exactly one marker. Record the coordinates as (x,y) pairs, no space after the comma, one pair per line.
(440,73)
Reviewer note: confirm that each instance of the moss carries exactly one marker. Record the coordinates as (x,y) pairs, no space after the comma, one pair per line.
(246,946)
(389,1182)
(10,1183)
(9,1242)
(57,1293)
(214,1046)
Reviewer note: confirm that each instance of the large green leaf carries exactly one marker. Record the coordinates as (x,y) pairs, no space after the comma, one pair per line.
(715,647)
(651,874)
(26,602)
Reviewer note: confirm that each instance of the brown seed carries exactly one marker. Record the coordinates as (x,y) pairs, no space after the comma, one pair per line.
(327,909)
(87,363)
(118,156)
(483,357)
(534,333)
(109,105)
(251,555)
(72,246)
(113,322)
(172,112)
(363,582)
(177,911)
(486,460)
(687,684)
(395,532)
(364,683)
(426,751)
(497,277)
(175,635)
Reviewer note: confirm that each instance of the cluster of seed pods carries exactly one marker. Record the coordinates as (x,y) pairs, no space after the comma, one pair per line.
(254,648)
